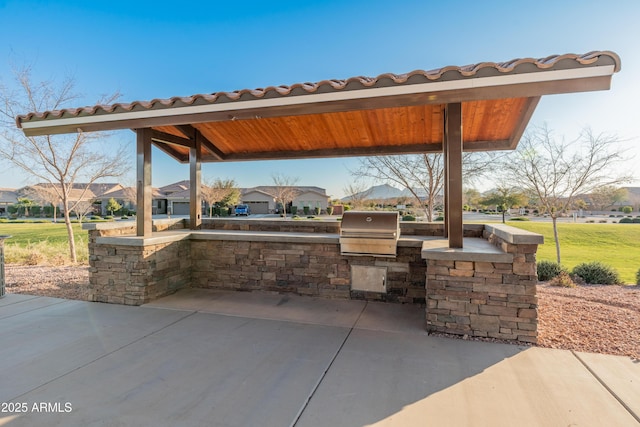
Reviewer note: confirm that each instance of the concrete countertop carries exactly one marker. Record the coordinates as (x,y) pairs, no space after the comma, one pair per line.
(474,249)
(238,235)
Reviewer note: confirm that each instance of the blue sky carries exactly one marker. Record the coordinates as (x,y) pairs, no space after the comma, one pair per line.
(155,49)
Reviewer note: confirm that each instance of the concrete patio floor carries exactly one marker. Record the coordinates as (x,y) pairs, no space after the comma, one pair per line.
(210,358)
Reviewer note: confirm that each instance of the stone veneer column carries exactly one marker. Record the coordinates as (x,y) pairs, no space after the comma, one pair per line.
(487,289)
(131,270)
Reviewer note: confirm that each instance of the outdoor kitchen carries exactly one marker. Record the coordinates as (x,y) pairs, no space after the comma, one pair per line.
(486,289)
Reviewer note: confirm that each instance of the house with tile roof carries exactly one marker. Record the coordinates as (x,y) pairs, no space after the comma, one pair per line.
(44,194)
(8,197)
(262,199)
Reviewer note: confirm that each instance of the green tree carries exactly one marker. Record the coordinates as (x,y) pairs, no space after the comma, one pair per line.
(472,197)
(24,204)
(504,198)
(113,205)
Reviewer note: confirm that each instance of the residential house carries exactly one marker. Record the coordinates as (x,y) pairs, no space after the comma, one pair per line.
(8,196)
(262,199)
(259,202)
(86,197)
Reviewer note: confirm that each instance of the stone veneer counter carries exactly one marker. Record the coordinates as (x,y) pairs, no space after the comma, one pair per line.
(487,288)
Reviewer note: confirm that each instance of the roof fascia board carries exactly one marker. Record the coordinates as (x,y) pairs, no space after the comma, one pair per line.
(434,91)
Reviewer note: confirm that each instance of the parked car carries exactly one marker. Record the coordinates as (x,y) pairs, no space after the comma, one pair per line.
(242,210)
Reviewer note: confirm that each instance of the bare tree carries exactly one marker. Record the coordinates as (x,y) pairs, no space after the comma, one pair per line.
(220,190)
(82,208)
(284,190)
(356,193)
(419,174)
(60,160)
(45,194)
(606,196)
(556,172)
(422,174)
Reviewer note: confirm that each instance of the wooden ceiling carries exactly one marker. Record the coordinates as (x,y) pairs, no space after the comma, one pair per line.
(487,125)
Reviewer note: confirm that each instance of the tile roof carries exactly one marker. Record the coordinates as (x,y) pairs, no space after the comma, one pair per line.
(483,69)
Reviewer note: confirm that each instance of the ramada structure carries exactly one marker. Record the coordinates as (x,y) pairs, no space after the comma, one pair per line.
(474,279)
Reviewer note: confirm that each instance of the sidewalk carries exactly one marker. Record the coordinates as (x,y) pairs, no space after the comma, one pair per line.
(208,358)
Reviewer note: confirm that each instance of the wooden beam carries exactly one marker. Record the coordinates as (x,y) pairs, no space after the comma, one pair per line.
(187,130)
(144,224)
(192,133)
(210,147)
(333,152)
(453,173)
(530,108)
(167,138)
(167,148)
(195,176)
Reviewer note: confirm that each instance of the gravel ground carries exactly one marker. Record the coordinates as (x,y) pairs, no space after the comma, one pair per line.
(589,318)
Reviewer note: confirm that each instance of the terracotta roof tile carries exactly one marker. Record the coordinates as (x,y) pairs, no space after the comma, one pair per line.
(359,82)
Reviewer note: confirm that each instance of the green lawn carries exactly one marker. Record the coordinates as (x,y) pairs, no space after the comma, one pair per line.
(615,244)
(42,242)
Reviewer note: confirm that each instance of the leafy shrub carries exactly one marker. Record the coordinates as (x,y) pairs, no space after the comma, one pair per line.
(626,221)
(563,279)
(440,218)
(597,273)
(519,218)
(95,217)
(627,209)
(108,217)
(329,210)
(408,218)
(547,270)
(638,277)
(636,220)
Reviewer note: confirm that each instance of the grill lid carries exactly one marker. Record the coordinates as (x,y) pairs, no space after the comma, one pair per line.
(369,233)
(379,225)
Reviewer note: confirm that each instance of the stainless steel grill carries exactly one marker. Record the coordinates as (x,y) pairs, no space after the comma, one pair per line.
(369,233)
